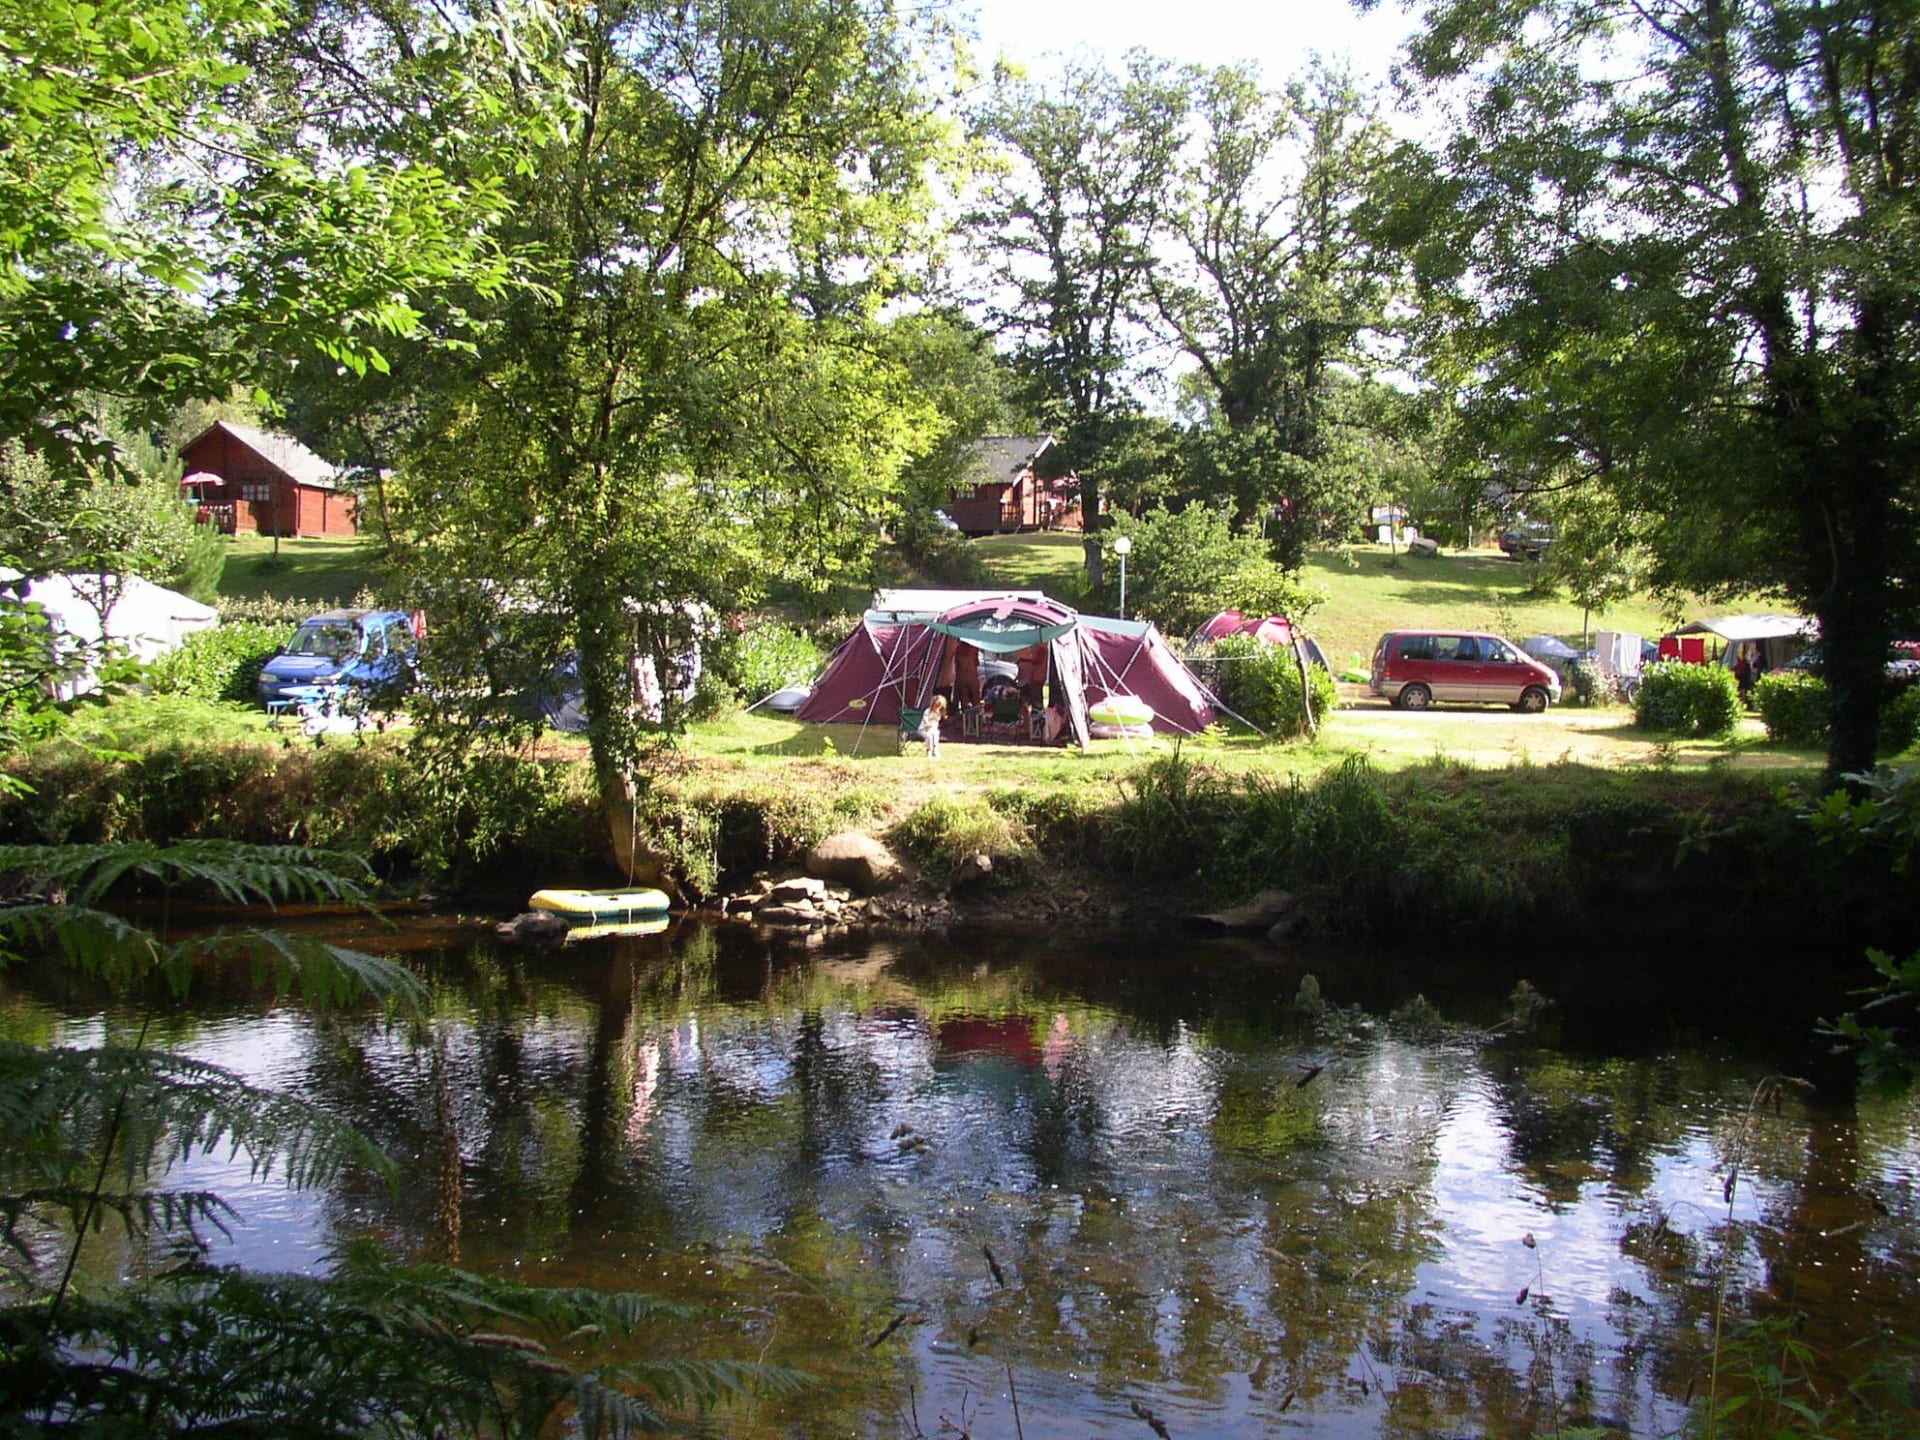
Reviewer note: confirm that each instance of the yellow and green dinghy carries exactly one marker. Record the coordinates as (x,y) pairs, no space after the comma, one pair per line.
(601,907)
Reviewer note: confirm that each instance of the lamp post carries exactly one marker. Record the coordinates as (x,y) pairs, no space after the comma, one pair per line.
(1123,547)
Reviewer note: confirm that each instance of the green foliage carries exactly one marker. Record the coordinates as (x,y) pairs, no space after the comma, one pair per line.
(430,1350)
(946,831)
(1273,285)
(1587,684)
(1900,722)
(1188,565)
(28,713)
(764,657)
(94,522)
(1182,821)
(1881,820)
(1065,226)
(1690,337)
(1793,708)
(219,663)
(1769,1383)
(1262,683)
(89,1136)
(1678,699)
(265,610)
(203,560)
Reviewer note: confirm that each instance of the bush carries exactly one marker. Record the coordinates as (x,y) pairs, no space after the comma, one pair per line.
(203,559)
(763,658)
(944,832)
(221,663)
(1261,683)
(1793,708)
(1900,722)
(1687,699)
(266,610)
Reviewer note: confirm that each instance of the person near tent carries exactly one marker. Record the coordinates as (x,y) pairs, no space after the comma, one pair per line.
(966,676)
(1031,675)
(936,711)
(945,678)
(1743,674)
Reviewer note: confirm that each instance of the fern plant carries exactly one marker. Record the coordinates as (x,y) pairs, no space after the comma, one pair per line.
(88,1137)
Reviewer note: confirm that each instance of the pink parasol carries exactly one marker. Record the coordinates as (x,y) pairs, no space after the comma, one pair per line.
(200,479)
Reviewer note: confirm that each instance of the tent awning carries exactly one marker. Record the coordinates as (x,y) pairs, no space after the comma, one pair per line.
(1752,627)
(1004,624)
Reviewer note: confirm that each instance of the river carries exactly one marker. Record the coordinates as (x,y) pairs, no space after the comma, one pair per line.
(1042,1187)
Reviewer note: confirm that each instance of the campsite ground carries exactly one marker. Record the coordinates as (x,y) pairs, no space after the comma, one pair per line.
(1368,591)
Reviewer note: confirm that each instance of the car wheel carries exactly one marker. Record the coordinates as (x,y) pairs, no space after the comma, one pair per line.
(1415,697)
(1532,700)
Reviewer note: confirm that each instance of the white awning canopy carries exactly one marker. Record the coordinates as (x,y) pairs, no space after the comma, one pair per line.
(1753,627)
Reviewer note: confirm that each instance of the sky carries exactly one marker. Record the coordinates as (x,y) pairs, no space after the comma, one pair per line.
(1277,34)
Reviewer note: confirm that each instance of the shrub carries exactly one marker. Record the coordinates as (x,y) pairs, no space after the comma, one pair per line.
(1793,708)
(763,658)
(1261,683)
(1687,699)
(944,832)
(203,559)
(1900,721)
(221,663)
(266,610)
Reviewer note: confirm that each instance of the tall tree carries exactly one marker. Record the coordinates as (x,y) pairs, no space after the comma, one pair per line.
(692,403)
(1065,230)
(160,237)
(1277,292)
(1677,234)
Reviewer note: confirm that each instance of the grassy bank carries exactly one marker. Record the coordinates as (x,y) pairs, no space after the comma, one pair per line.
(1420,845)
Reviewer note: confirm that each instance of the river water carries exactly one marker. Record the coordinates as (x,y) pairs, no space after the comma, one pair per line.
(1028,1187)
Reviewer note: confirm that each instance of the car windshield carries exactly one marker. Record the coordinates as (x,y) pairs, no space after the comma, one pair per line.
(334,642)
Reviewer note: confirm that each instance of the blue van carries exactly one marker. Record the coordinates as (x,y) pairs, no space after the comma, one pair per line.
(369,649)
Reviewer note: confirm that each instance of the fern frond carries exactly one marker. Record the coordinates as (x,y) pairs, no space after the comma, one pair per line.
(322,974)
(141,1213)
(55,1104)
(238,873)
(704,1384)
(95,942)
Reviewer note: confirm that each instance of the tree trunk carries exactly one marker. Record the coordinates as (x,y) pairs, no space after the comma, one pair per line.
(1089,521)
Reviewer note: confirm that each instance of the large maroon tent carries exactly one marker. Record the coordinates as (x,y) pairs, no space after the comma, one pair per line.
(893,659)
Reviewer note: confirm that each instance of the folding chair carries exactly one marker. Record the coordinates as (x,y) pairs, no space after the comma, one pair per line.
(910,719)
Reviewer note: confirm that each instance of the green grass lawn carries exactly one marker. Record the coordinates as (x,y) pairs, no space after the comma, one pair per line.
(1054,563)
(326,571)
(1370,591)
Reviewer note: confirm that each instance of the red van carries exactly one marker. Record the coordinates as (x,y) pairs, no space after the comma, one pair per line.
(1415,668)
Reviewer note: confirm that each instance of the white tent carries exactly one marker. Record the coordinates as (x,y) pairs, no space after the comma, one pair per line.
(135,616)
(1778,637)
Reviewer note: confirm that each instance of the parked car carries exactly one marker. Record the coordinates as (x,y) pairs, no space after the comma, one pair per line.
(1527,540)
(364,649)
(1416,668)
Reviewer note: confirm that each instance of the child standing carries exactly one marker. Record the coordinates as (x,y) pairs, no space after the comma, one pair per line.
(930,725)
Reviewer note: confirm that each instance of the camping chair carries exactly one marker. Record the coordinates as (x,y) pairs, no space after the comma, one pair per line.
(911,717)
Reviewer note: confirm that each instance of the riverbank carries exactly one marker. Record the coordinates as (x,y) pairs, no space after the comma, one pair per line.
(1429,849)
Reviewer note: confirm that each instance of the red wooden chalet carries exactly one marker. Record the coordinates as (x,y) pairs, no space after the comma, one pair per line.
(1004,489)
(254,481)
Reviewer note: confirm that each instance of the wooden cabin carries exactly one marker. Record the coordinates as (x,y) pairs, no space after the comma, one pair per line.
(253,481)
(1006,489)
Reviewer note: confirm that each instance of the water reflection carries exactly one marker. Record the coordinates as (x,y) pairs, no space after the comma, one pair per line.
(940,1178)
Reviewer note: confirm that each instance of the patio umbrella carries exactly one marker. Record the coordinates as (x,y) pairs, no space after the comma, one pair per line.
(201,480)
(1546,647)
